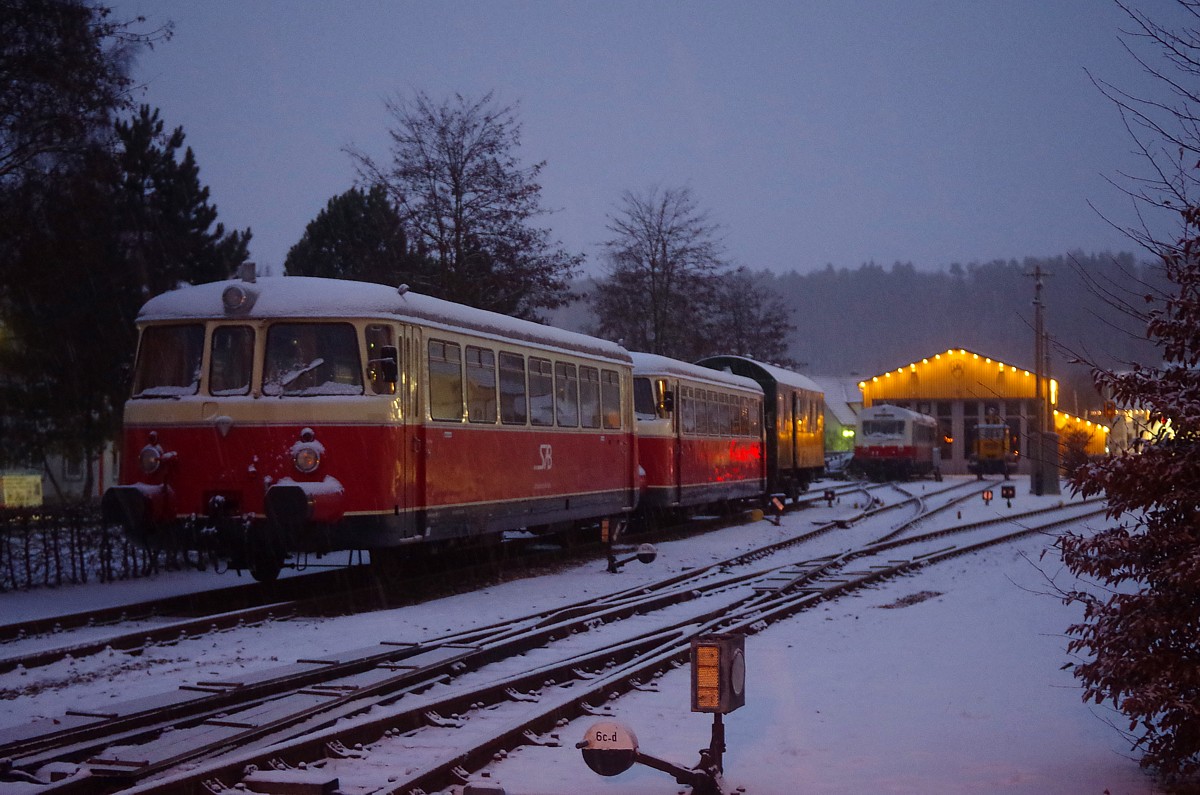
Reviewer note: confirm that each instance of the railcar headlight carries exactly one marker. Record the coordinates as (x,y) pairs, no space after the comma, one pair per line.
(306,459)
(238,299)
(150,459)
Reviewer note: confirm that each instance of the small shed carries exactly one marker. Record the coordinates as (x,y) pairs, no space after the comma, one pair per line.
(843,399)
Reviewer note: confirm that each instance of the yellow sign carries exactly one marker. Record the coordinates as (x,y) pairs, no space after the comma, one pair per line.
(20,491)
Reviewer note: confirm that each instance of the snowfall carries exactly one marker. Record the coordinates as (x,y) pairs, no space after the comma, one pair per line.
(951,680)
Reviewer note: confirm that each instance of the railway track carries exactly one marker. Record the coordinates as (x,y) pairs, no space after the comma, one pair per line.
(132,628)
(508,683)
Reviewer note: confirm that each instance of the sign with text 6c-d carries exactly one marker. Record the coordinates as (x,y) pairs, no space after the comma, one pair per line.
(718,673)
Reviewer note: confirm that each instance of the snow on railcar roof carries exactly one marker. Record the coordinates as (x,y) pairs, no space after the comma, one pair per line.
(651,363)
(895,411)
(779,374)
(315,297)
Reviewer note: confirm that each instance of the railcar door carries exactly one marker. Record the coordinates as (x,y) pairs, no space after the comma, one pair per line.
(677,440)
(412,464)
(787,434)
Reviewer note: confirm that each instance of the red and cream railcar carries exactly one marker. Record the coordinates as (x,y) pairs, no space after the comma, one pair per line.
(894,442)
(298,414)
(700,437)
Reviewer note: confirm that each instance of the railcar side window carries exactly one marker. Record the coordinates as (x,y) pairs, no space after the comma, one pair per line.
(168,362)
(379,338)
(308,359)
(481,385)
(708,422)
(514,403)
(541,392)
(589,397)
(566,388)
(741,422)
(610,398)
(445,381)
(688,410)
(231,358)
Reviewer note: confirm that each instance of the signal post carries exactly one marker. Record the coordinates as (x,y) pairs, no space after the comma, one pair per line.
(718,687)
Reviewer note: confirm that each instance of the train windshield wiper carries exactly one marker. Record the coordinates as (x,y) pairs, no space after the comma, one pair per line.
(295,375)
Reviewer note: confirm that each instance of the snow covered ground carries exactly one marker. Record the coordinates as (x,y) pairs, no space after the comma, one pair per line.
(958,692)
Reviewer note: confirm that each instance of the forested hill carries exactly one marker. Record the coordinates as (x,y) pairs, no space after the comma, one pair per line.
(875,318)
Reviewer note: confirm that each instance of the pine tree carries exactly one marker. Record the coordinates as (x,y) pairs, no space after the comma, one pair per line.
(166,219)
(359,235)
(84,247)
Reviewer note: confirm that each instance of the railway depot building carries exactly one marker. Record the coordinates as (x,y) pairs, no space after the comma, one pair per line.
(961,389)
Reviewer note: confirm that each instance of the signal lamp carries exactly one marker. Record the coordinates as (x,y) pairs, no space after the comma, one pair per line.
(718,673)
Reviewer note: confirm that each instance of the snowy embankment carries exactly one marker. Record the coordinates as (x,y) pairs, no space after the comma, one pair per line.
(948,681)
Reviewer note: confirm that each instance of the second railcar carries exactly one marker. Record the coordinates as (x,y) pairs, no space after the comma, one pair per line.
(894,442)
(700,436)
(793,420)
(295,414)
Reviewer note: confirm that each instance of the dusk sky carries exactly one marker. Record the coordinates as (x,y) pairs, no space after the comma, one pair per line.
(813,132)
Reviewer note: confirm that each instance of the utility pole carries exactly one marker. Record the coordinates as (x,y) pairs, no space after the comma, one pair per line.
(1043,478)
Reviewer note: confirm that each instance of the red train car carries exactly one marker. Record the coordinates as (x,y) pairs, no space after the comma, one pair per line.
(700,436)
(294,415)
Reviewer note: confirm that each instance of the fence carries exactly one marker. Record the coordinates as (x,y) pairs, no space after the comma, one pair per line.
(47,547)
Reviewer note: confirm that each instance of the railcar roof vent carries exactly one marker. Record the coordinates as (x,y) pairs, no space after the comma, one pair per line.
(247,272)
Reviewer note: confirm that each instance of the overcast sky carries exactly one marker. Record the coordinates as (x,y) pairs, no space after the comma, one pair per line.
(813,132)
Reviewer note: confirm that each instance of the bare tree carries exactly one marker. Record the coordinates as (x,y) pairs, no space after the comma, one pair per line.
(670,291)
(1139,638)
(63,76)
(1165,132)
(469,205)
(751,319)
(664,260)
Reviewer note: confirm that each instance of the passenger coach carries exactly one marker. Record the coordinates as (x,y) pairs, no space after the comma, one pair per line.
(700,437)
(793,420)
(294,415)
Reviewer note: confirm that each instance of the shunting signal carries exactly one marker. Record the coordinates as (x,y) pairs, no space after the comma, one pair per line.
(718,673)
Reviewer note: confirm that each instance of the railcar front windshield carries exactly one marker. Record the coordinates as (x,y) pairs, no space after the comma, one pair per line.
(168,362)
(645,405)
(884,428)
(992,431)
(305,359)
